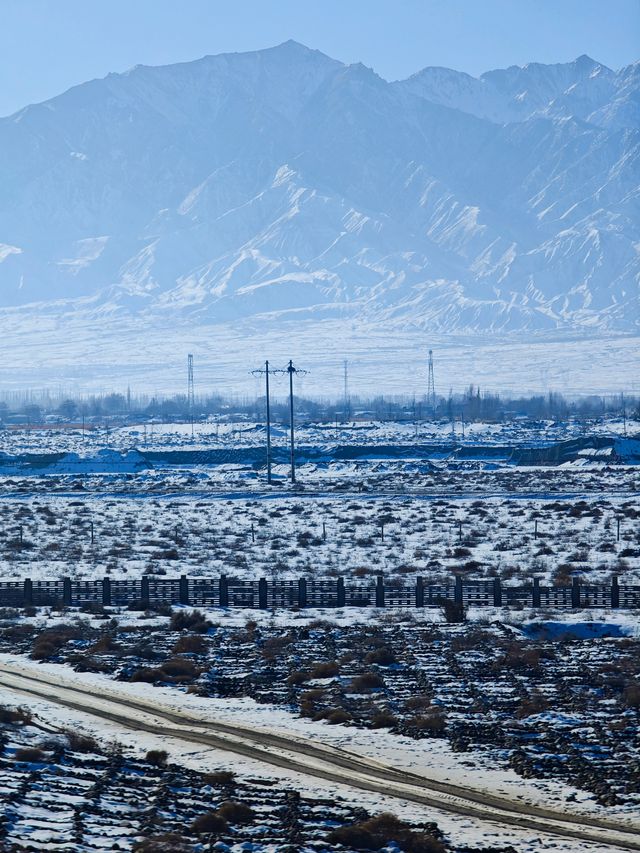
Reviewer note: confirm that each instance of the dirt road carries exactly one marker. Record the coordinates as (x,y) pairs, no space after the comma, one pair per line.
(313,759)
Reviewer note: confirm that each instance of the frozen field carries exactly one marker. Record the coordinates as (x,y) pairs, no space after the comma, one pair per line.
(154,501)
(322,537)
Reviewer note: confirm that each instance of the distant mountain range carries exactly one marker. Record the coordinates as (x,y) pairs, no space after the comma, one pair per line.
(282,183)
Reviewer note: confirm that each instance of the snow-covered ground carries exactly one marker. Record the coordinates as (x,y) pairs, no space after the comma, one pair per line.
(429,758)
(320,536)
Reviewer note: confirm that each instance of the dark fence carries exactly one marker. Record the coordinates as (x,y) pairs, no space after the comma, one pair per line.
(231,592)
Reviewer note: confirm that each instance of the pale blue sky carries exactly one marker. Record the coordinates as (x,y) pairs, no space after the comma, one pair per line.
(46,46)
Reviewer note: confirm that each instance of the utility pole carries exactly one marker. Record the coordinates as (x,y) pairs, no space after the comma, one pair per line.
(265,370)
(190,390)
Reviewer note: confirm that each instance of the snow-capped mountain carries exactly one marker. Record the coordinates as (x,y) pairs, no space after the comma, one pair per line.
(283,183)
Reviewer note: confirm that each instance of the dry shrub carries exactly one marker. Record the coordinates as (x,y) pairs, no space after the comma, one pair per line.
(520,657)
(418,703)
(190,644)
(384,720)
(146,675)
(168,842)
(434,720)
(157,757)
(219,777)
(190,620)
(377,832)
(15,716)
(209,823)
(51,641)
(366,682)
(325,670)
(81,743)
(534,703)
(631,694)
(234,811)
(383,656)
(337,716)
(29,754)
(179,669)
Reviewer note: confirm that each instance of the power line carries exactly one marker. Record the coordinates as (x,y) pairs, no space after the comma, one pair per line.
(270,371)
(265,371)
(347,401)
(291,370)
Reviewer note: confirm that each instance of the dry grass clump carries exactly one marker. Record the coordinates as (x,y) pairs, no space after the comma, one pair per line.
(190,620)
(377,832)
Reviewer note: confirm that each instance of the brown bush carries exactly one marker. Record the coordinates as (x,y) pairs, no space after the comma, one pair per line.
(81,743)
(29,754)
(190,644)
(534,703)
(325,670)
(168,842)
(190,620)
(234,811)
(365,682)
(434,720)
(418,703)
(51,641)
(157,757)
(631,694)
(219,777)
(520,657)
(274,646)
(209,823)
(337,716)
(147,675)
(377,832)
(384,720)
(179,669)
(297,677)
(15,716)
(383,656)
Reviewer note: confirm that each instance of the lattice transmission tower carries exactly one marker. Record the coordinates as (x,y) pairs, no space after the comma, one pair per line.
(431,386)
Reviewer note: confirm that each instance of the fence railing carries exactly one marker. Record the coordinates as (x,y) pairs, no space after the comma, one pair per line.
(266,594)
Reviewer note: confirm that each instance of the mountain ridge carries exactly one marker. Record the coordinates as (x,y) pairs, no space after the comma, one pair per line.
(283,183)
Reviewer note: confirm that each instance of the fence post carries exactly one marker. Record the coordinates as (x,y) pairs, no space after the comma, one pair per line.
(27,593)
(457,592)
(380,591)
(66,592)
(302,592)
(144,590)
(184,590)
(262,593)
(223,591)
(497,593)
(575,593)
(615,593)
(341,597)
(537,601)
(106,592)
(419,592)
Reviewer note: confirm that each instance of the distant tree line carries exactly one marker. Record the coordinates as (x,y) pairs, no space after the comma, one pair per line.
(471,405)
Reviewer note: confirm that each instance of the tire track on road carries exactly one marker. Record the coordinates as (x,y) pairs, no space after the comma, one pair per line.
(318,760)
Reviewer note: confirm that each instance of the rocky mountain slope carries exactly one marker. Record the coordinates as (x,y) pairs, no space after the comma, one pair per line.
(282,183)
